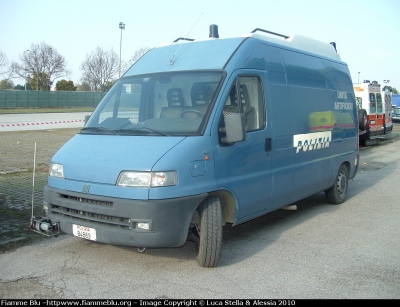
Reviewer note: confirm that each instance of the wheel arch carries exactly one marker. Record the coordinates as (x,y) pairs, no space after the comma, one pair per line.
(351,167)
(347,164)
(228,205)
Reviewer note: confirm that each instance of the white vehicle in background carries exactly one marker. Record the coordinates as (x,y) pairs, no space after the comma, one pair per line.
(373,115)
(387,104)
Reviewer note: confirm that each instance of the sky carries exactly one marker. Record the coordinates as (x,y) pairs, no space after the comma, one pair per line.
(366,32)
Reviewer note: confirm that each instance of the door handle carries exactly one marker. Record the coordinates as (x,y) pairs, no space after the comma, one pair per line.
(268,144)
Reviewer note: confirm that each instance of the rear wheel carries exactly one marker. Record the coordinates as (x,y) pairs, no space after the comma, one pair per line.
(210,233)
(338,192)
(362,119)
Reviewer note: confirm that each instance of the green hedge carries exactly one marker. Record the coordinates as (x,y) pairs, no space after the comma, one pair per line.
(48,99)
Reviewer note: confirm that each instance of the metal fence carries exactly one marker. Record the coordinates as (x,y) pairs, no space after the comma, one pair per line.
(48,99)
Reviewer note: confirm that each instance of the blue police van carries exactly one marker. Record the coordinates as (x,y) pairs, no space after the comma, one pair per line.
(201,134)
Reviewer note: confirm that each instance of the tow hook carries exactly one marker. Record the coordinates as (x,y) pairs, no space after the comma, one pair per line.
(141,249)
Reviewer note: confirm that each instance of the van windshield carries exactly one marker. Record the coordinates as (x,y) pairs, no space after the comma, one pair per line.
(177,103)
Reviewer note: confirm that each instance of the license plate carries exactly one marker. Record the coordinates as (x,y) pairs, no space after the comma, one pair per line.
(84,232)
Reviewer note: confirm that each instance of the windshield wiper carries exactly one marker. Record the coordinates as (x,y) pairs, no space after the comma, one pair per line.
(98,129)
(141,128)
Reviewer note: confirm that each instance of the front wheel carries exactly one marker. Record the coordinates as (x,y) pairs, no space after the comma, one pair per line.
(210,233)
(338,192)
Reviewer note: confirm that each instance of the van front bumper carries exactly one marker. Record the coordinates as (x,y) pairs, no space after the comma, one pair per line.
(117,221)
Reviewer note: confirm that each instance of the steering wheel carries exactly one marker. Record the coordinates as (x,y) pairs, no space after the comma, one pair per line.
(192,111)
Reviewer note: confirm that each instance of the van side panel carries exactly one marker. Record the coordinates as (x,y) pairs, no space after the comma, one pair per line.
(279,104)
(279,114)
(311,110)
(303,70)
(302,163)
(345,132)
(314,117)
(311,147)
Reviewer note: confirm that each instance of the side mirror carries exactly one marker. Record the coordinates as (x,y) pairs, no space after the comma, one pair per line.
(234,128)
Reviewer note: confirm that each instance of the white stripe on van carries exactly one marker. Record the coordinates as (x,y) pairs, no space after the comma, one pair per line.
(312,141)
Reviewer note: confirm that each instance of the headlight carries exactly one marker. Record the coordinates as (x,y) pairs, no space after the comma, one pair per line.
(56,170)
(147,179)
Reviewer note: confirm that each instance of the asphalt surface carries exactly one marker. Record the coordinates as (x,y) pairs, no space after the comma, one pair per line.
(320,251)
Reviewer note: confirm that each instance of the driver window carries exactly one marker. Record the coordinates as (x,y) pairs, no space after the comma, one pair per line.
(246,96)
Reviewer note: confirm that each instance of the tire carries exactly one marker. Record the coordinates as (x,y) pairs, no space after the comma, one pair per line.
(362,119)
(338,192)
(210,233)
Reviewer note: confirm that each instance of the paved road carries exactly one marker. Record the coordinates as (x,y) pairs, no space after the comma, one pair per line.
(319,251)
(40,121)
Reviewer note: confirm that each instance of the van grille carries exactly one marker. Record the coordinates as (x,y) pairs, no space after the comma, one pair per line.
(100,219)
(88,201)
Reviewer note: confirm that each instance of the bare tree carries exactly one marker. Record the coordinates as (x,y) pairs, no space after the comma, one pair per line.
(3,62)
(43,63)
(138,54)
(6,71)
(99,68)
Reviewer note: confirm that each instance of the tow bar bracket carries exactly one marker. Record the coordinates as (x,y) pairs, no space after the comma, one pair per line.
(45,226)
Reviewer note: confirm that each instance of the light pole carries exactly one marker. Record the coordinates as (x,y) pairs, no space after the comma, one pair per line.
(122,27)
(358,78)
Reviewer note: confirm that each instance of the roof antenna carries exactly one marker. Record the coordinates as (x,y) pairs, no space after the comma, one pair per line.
(171,61)
(334,45)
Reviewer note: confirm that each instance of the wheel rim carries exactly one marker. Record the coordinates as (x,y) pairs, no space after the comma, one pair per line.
(341,183)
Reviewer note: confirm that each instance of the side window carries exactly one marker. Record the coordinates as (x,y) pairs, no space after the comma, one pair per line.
(379,103)
(372,103)
(246,96)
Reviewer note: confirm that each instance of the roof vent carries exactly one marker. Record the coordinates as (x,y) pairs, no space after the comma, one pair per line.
(214,31)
